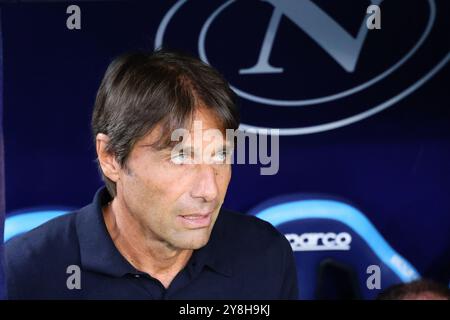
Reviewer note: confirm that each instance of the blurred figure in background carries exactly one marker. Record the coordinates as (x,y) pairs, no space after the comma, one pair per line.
(422,289)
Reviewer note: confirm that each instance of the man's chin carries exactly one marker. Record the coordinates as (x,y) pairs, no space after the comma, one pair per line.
(193,242)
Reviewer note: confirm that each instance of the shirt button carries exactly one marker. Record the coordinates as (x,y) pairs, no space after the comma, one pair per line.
(137,276)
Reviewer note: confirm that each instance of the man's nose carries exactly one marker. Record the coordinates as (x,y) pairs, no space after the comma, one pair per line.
(205,184)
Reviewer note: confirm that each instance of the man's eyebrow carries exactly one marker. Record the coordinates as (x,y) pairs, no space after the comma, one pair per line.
(168,149)
(158,147)
(228,147)
(225,147)
(188,149)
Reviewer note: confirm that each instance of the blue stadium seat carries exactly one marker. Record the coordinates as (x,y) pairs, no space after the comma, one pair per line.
(337,249)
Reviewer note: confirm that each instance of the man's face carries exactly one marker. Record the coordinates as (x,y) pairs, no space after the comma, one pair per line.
(173,200)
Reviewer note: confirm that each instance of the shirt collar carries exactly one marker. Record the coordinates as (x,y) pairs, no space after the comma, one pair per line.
(98,252)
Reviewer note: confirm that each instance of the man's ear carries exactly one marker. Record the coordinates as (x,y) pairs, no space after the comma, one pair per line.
(107,160)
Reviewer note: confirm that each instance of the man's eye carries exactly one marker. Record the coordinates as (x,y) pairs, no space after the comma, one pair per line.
(220,157)
(180,158)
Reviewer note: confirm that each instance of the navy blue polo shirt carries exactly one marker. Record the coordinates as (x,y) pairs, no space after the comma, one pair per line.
(245,258)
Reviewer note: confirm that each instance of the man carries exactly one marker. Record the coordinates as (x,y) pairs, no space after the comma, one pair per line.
(157,231)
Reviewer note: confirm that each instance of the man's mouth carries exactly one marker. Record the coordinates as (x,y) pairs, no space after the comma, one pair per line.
(196,220)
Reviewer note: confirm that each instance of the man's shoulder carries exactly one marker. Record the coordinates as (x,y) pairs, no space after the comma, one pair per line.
(54,233)
(254,248)
(250,230)
(41,249)
(37,260)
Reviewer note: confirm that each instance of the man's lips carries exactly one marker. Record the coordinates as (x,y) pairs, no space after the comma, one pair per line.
(196,220)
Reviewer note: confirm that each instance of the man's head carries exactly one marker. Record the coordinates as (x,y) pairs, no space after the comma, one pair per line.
(142,99)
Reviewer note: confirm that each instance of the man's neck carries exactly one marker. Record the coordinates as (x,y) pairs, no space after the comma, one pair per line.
(145,253)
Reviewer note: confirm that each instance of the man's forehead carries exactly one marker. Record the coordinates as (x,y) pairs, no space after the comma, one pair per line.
(203,121)
(207,118)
